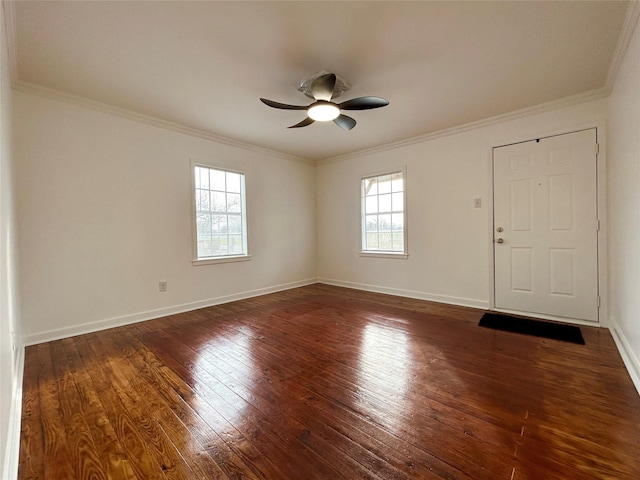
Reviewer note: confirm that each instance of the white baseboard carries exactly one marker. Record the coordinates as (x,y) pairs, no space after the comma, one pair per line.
(463,302)
(12,452)
(626,352)
(66,332)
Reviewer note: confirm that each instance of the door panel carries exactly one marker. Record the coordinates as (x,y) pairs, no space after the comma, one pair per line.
(521,269)
(545,203)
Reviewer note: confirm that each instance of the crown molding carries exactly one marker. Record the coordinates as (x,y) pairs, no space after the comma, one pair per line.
(76,100)
(631,21)
(572,100)
(9,23)
(9,17)
(628,28)
(131,115)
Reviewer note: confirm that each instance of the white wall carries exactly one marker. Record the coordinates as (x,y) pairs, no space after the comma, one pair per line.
(449,240)
(104,214)
(624,207)
(10,351)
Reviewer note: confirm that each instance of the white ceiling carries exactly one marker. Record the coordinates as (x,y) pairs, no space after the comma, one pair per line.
(204,65)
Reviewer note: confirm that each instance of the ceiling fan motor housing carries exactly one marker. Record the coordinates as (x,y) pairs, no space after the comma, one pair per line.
(340,87)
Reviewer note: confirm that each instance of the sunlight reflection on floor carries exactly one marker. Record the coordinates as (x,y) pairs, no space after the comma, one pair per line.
(226,367)
(384,366)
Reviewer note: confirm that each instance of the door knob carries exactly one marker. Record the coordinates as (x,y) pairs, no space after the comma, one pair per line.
(499,240)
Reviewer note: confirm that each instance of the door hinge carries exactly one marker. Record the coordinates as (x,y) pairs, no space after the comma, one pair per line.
(597,148)
(599,302)
(597,225)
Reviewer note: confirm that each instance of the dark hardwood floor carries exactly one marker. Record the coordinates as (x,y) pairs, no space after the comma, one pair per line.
(324,382)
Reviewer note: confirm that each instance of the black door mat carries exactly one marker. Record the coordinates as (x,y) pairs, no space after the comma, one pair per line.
(555,331)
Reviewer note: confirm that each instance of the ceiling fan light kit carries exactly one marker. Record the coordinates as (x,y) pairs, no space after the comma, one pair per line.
(322,111)
(322,89)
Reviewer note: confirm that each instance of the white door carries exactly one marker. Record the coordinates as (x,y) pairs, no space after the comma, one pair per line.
(545,226)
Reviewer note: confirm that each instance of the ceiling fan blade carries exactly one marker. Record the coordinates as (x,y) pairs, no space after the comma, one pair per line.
(363,103)
(282,106)
(303,123)
(345,122)
(322,87)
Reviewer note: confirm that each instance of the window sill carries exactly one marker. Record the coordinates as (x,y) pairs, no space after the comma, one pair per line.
(384,255)
(229,259)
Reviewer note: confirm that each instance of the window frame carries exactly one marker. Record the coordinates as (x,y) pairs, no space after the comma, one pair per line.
(194,234)
(405,237)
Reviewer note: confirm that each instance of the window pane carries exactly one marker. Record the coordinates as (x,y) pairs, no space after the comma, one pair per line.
(372,241)
(384,222)
(384,203)
(218,202)
(203,225)
(397,183)
(196,176)
(204,248)
(398,241)
(202,200)
(219,223)
(385,242)
(371,205)
(397,222)
(207,204)
(370,186)
(233,182)
(235,224)
(204,177)
(218,180)
(384,184)
(219,245)
(233,203)
(371,223)
(235,244)
(397,202)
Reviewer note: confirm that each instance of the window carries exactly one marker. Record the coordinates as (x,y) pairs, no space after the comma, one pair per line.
(220,215)
(383,214)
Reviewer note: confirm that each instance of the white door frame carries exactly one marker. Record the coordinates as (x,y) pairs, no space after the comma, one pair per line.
(601,196)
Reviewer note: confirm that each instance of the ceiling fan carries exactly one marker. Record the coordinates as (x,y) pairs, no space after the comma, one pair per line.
(323,89)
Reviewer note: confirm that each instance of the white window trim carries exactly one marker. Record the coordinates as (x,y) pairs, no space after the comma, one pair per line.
(225,259)
(384,253)
(195,261)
